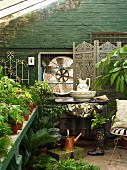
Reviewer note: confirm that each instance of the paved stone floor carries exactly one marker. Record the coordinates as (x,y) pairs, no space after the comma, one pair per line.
(118,163)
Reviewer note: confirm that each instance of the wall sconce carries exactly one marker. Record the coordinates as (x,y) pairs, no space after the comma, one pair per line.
(31,61)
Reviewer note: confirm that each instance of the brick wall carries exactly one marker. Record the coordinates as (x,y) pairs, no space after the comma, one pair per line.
(58,31)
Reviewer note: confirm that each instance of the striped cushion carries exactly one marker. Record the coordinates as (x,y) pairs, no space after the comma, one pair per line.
(119,131)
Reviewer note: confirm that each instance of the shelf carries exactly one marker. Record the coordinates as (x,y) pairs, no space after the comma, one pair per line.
(16,140)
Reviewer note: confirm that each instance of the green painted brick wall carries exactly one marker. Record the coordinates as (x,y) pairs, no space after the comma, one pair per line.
(59,30)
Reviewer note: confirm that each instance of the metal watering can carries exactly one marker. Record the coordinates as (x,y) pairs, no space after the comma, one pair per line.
(83,85)
(68,142)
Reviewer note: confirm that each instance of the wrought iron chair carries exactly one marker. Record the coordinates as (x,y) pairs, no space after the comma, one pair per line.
(120,133)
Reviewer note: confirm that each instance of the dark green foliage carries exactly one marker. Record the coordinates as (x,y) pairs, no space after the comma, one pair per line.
(48,163)
(53,112)
(5,142)
(43,91)
(98,121)
(31,143)
(113,71)
(1,72)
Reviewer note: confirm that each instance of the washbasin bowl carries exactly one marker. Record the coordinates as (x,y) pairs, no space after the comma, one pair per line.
(83,96)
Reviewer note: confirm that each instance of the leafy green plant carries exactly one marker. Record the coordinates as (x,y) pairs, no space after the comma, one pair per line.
(5,142)
(53,112)
(113,70)
(14,115)
(31,142)
(4,109)
(1,72)
(4,127)
(47,163)
(98,121)
(35,97)
(43,90)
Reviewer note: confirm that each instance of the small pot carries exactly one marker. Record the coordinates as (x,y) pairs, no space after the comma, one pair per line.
(20,126)
(14,128)
(26,117)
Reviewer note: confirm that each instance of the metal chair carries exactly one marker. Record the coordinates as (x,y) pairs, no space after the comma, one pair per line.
(120,133)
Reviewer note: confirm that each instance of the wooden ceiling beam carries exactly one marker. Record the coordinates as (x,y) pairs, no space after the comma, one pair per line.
(7,16)
(8,3)
(18,7)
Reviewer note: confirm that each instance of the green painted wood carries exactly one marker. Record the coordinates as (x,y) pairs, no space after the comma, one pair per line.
(14,150)
(19,162)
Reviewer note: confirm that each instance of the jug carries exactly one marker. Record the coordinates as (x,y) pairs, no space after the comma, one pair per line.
(68,142)
(83,85)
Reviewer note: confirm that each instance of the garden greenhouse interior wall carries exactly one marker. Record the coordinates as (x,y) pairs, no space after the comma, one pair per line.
(56,27)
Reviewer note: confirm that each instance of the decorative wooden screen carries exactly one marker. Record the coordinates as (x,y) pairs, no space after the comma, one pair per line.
(102,52)
(105,49)
(112,37)
(85,56)
(84,60)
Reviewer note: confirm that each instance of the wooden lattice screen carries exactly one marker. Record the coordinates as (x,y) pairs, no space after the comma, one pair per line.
(112,37)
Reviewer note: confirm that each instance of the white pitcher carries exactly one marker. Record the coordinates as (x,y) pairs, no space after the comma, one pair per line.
(83,85)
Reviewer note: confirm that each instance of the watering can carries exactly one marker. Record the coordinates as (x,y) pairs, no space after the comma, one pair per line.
(68,142)
(83,85)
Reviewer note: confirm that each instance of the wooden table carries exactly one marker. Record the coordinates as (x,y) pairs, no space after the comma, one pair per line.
(73,123)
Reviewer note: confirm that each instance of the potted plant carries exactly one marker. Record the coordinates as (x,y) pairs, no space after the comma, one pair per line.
(14,117)
(97,123)
(25,112)
(53,112)
(35,97)
(43,90)
(31,143)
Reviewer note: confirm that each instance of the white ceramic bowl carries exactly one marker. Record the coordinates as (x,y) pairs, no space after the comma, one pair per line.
(82,96)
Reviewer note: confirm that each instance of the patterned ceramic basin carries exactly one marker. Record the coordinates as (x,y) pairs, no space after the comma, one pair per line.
(82,96)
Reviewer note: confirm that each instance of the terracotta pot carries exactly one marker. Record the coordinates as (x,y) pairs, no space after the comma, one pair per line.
(14,128)
(20,126)
(34,105)
(26,117)
(31,110)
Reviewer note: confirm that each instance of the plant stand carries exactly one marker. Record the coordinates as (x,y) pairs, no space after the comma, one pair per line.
(60,155)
